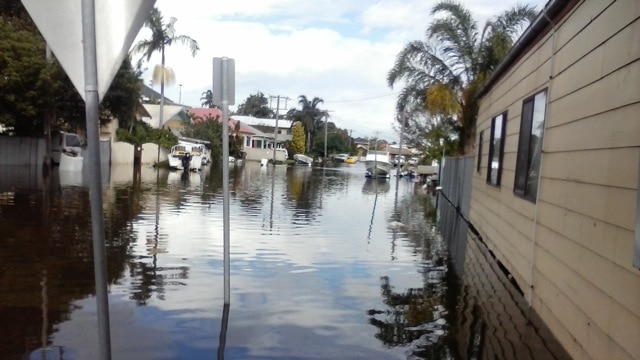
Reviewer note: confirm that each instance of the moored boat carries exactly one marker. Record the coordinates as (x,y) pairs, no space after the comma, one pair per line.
(67,151)
(377,163)
(302,159)
(341,158)
(186,155)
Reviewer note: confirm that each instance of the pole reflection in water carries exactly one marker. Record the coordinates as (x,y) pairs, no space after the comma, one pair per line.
(374,186)
(222,343)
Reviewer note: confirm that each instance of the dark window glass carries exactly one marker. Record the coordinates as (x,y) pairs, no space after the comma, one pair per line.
(480,140)
(496,149)
(530,146)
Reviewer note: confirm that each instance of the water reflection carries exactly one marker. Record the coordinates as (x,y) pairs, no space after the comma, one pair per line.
(324,264)
(376,186)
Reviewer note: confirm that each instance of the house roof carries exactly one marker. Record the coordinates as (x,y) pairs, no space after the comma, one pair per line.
(148,94)
(200,114)
(395,150)
(142,111)
(245,129)
(253,121)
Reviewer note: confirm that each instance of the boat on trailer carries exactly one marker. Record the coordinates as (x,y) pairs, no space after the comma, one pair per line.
(377,164)
(187,156)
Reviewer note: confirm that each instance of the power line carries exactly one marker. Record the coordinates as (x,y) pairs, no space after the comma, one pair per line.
(365,99)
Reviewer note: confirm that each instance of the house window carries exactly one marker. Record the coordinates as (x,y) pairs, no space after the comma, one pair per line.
(530,146)
(480,140)
(496,149)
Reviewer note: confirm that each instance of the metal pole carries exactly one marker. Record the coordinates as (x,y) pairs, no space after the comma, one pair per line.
(326,119)
(161,116)
(180,95)
(95,184)
(401,131)
(440,164)
(275,132)
(225,179)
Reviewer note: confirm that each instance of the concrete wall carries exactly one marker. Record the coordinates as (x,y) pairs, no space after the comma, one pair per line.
(254,154)
(121,153)
(150,153)
(572,250)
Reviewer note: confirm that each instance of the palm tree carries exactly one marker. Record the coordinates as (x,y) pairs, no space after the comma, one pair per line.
(310,116)
(162,35)
(207,99)
(443,74)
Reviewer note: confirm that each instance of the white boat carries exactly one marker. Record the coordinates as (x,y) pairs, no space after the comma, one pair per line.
(377,163)
(341,157)
(186,154)
(302,159)
(67,151)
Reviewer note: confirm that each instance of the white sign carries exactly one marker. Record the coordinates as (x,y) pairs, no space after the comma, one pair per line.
(117,25)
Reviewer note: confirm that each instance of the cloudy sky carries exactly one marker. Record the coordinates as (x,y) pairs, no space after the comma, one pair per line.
(337,50)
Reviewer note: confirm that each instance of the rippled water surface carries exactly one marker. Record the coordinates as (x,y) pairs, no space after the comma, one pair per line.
(325,264)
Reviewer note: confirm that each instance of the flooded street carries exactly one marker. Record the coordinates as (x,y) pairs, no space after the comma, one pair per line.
(325,264)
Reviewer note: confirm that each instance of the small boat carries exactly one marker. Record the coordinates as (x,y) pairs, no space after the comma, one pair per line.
(351,160)
(67,151)
(377,163)
(302,159)
(186,155)
(341,158)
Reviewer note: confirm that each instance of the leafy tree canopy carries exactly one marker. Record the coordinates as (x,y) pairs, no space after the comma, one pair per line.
(297,145)
(34,86)
(256,105)
(444,73)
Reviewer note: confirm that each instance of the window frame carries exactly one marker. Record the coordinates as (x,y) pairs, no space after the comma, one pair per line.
(526,155)
(499,156)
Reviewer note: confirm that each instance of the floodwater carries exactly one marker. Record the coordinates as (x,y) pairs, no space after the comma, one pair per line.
(325,264)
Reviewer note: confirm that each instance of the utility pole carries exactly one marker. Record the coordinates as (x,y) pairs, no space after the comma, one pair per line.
(403,117)
(275,131)
(350,138)
(326,121)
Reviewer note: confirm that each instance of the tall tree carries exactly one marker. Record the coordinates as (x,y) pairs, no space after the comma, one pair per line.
(207,99)
(256,105)
(310,116)
(297,145)
(162,35)
(444,73)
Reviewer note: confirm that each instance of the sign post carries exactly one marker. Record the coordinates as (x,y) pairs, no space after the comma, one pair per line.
(91,50)
(224,93)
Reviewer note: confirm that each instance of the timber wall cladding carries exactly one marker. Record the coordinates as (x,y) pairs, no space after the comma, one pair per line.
(584,285)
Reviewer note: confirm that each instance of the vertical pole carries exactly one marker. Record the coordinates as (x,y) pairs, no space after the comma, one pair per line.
(225,179)
(275,132)
(160,117)
(401,133)
(95,183)
(326,119)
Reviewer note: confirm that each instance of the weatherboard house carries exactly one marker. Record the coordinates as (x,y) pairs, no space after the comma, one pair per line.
(554,190)
(257,144)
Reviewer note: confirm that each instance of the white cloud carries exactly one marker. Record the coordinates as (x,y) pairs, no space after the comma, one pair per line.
(339,51)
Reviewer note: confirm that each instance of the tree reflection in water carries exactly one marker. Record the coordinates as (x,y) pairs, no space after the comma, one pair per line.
(413,318)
